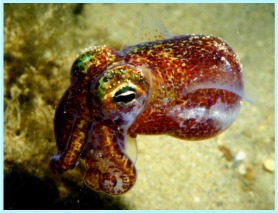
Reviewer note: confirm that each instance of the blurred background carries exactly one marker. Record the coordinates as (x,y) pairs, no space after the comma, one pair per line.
(232,171)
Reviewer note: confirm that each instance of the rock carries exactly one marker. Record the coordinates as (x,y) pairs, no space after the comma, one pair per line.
(269,165)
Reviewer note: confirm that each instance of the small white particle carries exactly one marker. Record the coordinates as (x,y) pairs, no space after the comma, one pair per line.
(242,169)
(240,156)
(197,199)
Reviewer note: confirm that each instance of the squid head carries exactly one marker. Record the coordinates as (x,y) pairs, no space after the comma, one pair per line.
(104,98)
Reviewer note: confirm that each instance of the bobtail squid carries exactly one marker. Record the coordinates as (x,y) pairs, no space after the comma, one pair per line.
(187,86)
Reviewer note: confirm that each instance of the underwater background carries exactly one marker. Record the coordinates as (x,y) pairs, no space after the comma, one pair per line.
(234,170)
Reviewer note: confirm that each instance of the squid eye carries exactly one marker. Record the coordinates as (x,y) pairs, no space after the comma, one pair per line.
(125,95)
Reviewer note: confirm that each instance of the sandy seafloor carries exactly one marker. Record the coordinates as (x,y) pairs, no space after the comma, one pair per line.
(41,41)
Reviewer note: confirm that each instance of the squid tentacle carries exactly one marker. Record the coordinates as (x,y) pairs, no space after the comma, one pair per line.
(72,116)
(109,169)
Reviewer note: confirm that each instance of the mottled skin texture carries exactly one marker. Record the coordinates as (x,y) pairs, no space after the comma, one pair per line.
(188,87)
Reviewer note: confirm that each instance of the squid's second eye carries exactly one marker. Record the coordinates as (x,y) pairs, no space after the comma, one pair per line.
(125,95)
